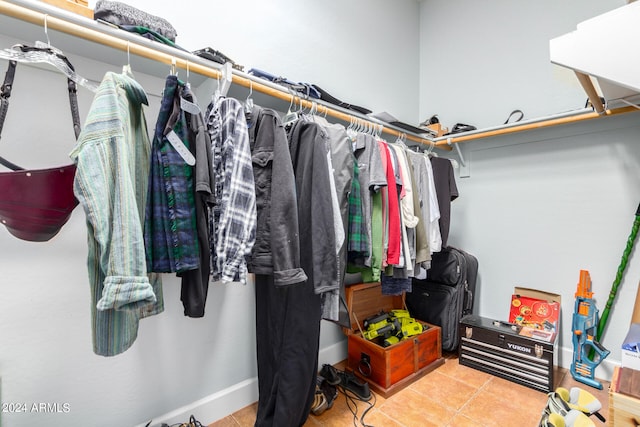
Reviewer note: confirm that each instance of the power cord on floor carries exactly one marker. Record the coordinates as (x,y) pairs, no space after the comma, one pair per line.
(192,423)
(352,403)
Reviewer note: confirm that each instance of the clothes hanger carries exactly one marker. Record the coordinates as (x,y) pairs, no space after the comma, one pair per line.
(186,105)
(400,140)
(351,132)
(225,78)
(126,69)
(301,98)
(45,53)
(248,103)
(291,115)
(378,130)
(218,92)
(429,151)
(317,118)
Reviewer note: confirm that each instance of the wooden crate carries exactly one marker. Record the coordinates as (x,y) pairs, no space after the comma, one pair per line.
(387,369)
(624,405)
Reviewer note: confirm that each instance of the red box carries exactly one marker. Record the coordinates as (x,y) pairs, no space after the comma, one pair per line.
(536,311)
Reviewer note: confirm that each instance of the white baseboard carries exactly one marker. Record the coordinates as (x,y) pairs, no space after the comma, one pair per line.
(213,407)
(225,402)
(604,371)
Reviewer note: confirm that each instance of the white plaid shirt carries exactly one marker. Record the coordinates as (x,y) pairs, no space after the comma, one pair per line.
(232,215)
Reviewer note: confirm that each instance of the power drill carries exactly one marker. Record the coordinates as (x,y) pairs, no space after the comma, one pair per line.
(408,328)
(393,327)
(385,326)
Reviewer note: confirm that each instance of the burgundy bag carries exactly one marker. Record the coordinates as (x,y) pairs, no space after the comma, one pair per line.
(35,204)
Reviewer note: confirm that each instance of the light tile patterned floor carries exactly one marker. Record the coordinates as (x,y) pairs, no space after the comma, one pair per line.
(450,396)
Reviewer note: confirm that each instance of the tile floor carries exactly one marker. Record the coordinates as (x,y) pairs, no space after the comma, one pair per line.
(450,396)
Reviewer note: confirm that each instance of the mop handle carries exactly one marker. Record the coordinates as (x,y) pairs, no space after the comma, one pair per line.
(623,265)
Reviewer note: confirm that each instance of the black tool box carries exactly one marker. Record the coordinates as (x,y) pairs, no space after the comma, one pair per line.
(496,347)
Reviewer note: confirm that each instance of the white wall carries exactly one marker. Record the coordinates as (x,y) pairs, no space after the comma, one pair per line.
(178,365)
(534,213)
(362,52)
(480,60)
(540,206)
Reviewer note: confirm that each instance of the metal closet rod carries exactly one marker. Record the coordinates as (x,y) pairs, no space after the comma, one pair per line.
(180,60)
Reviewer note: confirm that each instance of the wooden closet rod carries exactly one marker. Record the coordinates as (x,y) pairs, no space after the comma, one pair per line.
(443,142)
(180,60)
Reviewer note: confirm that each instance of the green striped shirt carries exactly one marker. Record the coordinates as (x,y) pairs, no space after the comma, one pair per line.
(112,158)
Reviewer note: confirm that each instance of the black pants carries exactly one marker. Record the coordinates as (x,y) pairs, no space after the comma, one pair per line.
(288,340)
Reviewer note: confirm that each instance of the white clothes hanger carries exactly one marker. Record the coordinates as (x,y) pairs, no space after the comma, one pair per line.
(185,105)
(429,151)
(248,103)
(126,69)
(300,98)
(291,115)
(45,53)
(351,132)
(400,140)
(224,82)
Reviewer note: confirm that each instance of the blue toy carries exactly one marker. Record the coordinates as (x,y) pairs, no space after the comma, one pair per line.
(587,351)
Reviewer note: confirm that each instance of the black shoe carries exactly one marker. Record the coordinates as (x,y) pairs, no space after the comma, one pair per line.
(320,403)
(330,391)
(324,396)
(330,374)
(348,381)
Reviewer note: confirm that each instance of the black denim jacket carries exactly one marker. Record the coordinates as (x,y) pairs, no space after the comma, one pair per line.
(277,248)
(307,145)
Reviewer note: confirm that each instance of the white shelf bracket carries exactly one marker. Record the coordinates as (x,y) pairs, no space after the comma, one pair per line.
(464,167)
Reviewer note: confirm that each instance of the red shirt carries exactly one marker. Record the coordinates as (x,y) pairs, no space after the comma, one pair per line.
(395,235)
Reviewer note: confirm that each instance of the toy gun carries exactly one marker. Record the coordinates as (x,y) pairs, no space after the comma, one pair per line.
(585,324)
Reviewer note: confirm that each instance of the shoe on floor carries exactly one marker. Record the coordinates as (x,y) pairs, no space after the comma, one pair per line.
(320,403)
(330,391)
(581,400)
(552,420)
(324,396)
(558,413)
(360,389)
(330,374)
